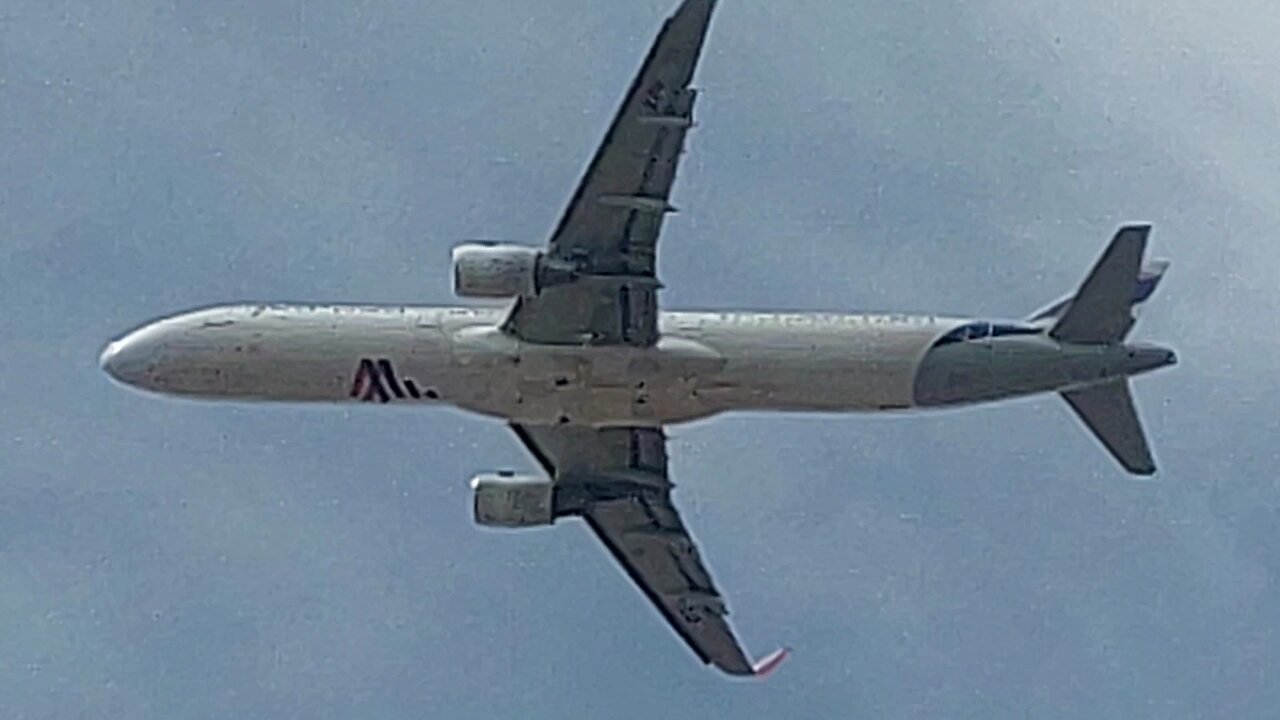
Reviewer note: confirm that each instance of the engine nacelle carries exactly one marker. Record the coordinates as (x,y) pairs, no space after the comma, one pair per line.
(504,499)
(494,270)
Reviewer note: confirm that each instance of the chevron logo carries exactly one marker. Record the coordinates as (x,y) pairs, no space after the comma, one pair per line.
(376,381)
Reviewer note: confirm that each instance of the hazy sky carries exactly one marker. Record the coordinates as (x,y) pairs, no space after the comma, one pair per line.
(166,559)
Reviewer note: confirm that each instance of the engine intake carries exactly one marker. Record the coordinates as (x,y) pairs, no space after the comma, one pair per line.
(507,500)
(495,270)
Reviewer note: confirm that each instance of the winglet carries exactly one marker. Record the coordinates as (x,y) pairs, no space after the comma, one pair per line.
(770,662)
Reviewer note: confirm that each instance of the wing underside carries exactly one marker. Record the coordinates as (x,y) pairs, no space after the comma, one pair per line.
(602,253)
(616,480)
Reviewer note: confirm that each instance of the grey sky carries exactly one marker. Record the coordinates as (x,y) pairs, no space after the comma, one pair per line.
(179,560)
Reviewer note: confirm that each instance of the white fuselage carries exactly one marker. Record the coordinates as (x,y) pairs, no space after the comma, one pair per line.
(704,363)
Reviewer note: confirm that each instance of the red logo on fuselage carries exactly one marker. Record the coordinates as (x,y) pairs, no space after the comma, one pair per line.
(376,380)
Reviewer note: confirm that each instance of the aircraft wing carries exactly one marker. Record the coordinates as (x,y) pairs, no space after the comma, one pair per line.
(601,256)
(616,479)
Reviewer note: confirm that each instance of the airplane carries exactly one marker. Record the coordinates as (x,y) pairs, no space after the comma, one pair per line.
(588,372)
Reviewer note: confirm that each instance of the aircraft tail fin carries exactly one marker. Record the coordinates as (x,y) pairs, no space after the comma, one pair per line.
(1145,286)
(1101,311)
(1108,411)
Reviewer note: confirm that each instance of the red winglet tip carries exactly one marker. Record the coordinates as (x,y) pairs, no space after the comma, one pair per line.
(770,662)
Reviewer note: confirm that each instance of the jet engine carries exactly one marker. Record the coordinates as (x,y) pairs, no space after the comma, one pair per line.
(495,270)
(507,500)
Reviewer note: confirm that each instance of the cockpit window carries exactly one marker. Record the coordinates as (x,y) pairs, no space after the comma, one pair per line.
(982,330)
(1000,329)
(970,331)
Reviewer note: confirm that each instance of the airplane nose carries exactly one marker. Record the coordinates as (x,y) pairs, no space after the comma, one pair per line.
(127,360)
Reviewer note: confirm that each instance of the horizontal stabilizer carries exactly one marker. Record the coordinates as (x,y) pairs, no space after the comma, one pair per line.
(1108,411)
(1101,311)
